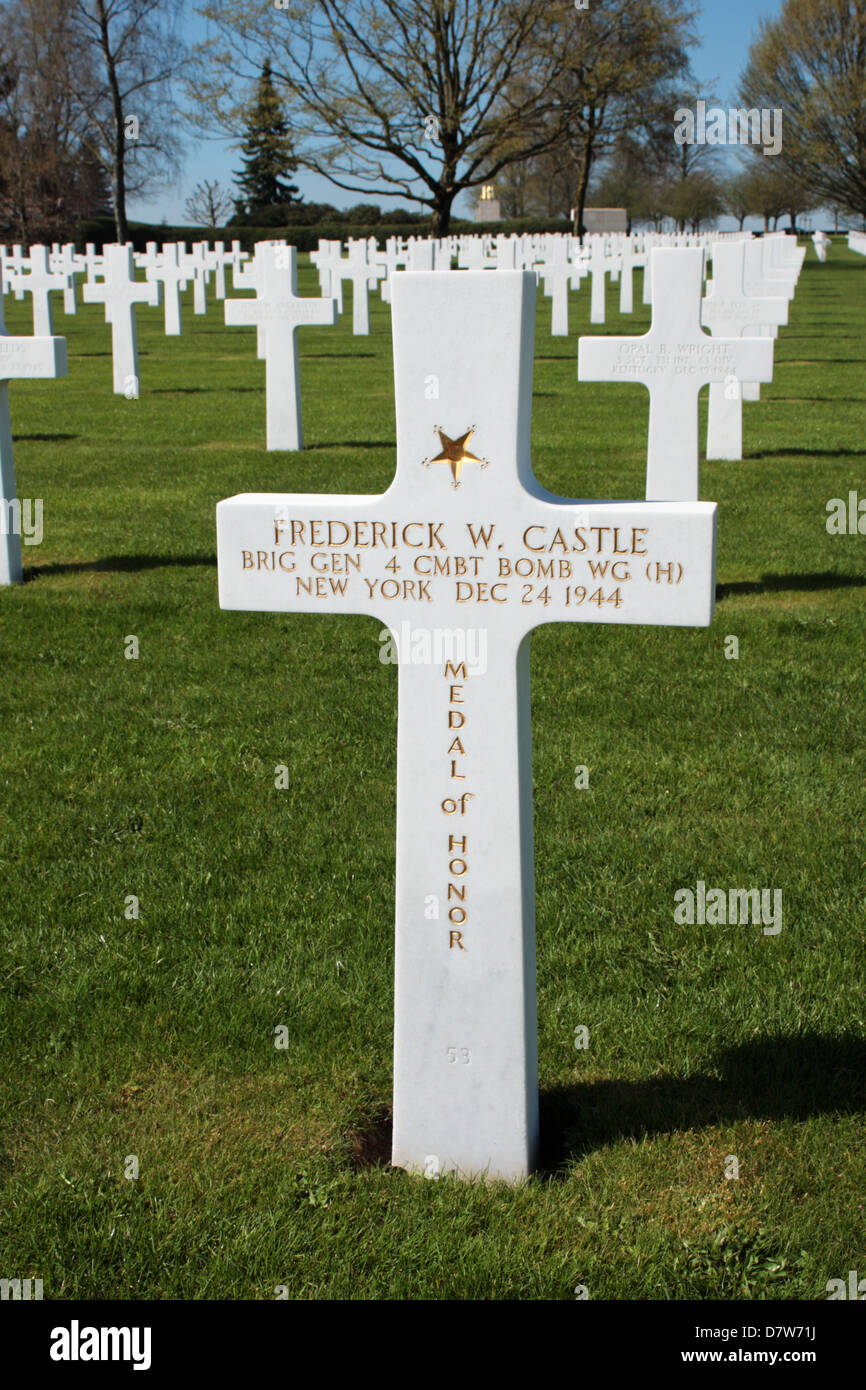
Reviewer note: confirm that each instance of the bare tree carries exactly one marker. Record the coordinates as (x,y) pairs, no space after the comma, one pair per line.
(810,63)
(209,204)
(421,98)
(125,90)
(619,58)
(47,179)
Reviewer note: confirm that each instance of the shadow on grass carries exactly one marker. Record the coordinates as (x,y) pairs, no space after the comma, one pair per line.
(351,444)
(809,453)
(117,564)
(771,1078)
(45,438)
(196,390)
(793,583)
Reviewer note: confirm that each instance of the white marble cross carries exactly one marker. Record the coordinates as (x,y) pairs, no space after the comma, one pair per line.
(598,266)
(728,312)
(281,311)
(196,264)
(673,361)
(326,259)
(14,264)
(628,261)
(67,262)
(39,284)
(559,273)
(120,292)
(94,261)
(394,257)
(363,276)
(762,282)
(166,269)
(461,558)
(420,253)
(217,261)
(20,359)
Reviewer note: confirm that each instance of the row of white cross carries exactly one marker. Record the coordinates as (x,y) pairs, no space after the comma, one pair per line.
(465,538)
(560,262)
(465,1035)
(749,293)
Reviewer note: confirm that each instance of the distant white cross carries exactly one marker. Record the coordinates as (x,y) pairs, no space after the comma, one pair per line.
(281,311)
(120,292)
(559,273)
(39,284)
(728,312)
(363,275)
(674,360)
(166,269)
(22,359)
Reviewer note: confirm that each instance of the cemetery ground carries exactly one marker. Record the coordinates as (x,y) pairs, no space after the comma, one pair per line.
(154,1037)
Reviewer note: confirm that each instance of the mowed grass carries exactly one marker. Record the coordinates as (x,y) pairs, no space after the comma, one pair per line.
(154,777)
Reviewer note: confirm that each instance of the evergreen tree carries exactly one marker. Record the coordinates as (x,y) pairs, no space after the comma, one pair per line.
(267,152)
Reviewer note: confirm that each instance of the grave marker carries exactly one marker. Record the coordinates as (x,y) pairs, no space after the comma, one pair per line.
(39,284)
(728,312)
(281,311)
(673,361)
(451,549)
(166,269)
(120,292)
(20,359)
(363,276)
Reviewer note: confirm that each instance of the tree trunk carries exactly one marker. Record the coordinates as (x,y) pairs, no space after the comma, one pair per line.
(118,158)
(443,198)
(580,197)
(441,213)
(118,186)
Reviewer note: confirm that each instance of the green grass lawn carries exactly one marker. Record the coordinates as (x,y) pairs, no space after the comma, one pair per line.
(155,777)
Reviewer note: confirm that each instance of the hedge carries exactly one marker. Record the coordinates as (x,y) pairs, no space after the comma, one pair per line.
(99,231)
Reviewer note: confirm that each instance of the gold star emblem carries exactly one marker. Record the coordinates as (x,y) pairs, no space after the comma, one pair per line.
(455,453)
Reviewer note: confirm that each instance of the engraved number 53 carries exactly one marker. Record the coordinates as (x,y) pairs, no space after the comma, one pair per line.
(459,1054)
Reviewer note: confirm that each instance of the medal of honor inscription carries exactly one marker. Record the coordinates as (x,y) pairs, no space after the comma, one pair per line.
(461,558)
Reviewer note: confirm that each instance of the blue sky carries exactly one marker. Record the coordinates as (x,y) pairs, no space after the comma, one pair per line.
(726,28)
